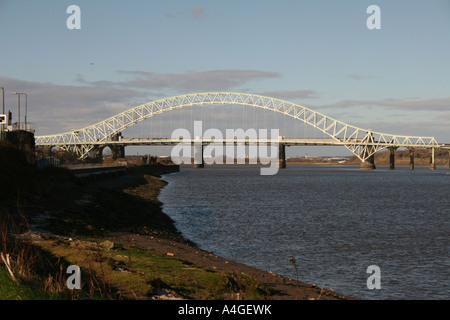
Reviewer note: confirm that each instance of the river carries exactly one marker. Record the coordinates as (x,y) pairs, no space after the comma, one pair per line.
(335,222)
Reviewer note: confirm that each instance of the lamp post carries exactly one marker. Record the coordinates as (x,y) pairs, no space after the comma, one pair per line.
(3,109)
(26,107)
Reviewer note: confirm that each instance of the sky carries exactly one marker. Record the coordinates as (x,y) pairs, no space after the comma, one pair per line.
(319,54)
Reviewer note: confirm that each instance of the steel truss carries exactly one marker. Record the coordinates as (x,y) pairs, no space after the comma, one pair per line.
(361,142)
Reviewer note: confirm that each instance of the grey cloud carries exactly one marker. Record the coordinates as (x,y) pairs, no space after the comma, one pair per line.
(66,107)
(443,116)
(194,12)
(423,128)
(437,104)
(291,94)
(57,108)
(418,117)
(359,76)
(189,81)
(135,72)
(197,12)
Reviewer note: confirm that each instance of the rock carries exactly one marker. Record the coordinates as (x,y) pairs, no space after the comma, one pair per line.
(36,237)
(107,245)
(30,236)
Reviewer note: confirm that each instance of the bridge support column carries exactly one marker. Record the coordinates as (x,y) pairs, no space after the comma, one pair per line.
(411,158)
(392,158)
(117,152)
(98,154)
(369,164)
(449,159)
(198,154)
(281,156)
(432,163)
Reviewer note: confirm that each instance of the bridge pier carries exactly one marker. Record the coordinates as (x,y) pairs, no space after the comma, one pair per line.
(392,158)
(98,154)
(117,152)
(281,156)
(411,158)
(432,163)
(369,164)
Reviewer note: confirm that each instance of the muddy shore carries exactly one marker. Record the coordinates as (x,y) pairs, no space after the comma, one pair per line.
(168,241)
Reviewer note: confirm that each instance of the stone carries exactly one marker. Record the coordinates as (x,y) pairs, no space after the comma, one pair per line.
(107,245)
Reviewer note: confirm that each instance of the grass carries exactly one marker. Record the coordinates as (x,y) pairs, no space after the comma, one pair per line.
(23,290)
(131,273)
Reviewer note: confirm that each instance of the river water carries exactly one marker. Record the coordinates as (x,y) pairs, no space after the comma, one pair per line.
(335,222)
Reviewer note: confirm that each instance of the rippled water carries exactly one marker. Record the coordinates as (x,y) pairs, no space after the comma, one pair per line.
(335,222)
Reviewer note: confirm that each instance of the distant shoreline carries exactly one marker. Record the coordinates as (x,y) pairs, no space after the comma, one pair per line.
(319,164)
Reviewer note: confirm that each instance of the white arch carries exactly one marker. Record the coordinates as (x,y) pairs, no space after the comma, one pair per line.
(362,142)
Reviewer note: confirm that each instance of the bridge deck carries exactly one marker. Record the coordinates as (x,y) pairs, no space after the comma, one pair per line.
(164,141)
(247,141)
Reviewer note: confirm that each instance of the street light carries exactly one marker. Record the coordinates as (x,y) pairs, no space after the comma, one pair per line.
(26,107)
(3,110)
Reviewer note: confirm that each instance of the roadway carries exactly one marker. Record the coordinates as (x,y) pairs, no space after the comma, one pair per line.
(285,141)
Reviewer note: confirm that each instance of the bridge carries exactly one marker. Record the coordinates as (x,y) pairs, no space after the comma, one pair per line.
(363,143)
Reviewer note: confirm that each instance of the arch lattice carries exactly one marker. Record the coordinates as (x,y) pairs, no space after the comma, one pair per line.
(361,142)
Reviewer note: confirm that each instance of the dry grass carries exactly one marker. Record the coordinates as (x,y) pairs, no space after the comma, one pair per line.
(28,265)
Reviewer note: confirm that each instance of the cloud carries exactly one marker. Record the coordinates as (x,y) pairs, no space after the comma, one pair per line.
(135,72)
(196,12)
(291,94)
(417,104)
(359,77)
(422,128)
(214,80)
(57,108)
(442,117)
(418,117)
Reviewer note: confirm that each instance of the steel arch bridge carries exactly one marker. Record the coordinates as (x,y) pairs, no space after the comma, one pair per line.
(363,143)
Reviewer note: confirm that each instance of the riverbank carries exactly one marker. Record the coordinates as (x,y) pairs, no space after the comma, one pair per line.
(127,248)
(170,243)
(180,248)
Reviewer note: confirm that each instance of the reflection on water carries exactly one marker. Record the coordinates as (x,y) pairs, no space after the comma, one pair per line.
(335,221)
